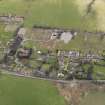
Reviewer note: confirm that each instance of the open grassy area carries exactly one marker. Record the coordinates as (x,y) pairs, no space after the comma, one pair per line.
(58,13)
(94,98)
(4,36)
(22,91)
(93,43)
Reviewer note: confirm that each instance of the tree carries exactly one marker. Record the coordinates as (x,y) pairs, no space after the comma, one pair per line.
(90,72)
(53,62)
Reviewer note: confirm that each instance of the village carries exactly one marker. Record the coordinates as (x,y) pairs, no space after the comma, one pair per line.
(24,53)
(52,52)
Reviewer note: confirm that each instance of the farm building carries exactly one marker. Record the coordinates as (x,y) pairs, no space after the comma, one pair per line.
(21,32)
(66,37)
(56,34)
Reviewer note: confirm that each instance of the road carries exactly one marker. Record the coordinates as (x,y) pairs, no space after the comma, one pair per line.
(52,80)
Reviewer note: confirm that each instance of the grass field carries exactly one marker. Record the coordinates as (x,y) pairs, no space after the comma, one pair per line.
(96,11)
(94,98)
(58,13)
(22,91)
(55,13)
(93,43)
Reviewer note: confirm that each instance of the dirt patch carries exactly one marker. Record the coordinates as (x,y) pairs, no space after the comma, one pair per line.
(75,92)
(11,28)
(42,37)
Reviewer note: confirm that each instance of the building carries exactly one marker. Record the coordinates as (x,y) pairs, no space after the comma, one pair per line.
(66,37)
(11,19)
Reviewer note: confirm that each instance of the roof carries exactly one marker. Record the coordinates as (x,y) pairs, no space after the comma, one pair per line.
(21,31)
(66,37)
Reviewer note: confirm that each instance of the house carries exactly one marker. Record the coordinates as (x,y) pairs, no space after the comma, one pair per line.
(74,54)
(56,34)
(21,32)
(69,53)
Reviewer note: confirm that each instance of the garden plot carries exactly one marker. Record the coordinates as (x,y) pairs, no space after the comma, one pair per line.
(41,34)
(40,37)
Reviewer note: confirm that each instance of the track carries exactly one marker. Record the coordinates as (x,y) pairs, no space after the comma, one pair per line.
(52,80)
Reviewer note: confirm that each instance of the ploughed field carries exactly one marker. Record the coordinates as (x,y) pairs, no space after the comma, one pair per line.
(22,91)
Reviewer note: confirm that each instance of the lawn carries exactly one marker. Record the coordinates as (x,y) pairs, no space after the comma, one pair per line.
(54,13)
(75,44)
(4,36)
(93,43)
(22,91)
(94,98)
(98,71)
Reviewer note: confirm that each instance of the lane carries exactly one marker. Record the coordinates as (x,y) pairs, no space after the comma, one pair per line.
(52,80)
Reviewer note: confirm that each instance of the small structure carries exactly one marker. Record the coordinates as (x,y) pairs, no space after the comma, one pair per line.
(56,34)
(60,75)
(21,32)
(74,54)
(39,52)
(11,19)
(69,53)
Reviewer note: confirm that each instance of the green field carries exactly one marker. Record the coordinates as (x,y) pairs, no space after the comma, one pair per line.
(54,13)
(94,98)
(22,91)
